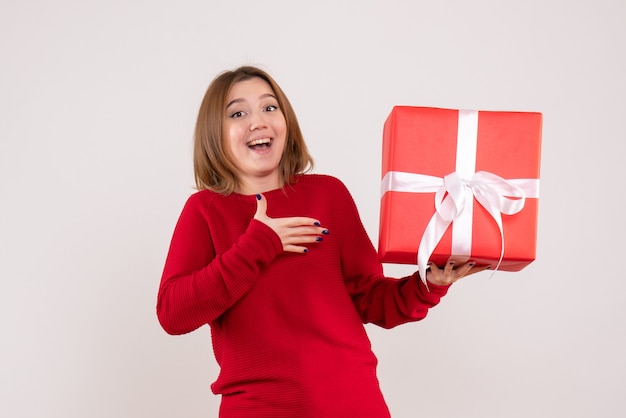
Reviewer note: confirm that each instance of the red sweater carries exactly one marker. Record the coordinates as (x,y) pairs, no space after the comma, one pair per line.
(287,328)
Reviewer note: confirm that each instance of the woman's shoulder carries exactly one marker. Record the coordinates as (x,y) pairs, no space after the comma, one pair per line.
(322,179)
(201,198)
(324,185)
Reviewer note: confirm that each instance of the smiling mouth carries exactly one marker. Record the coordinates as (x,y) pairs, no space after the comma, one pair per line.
(262,143)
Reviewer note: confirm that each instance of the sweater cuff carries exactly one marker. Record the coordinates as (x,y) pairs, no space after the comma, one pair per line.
(436,289)
(264,241)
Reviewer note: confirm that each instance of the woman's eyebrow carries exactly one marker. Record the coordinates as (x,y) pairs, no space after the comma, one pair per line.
(240,100)
(232,102)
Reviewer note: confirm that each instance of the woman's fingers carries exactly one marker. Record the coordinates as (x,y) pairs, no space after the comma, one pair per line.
(451,272)
(297,238)
(261,207)
(294,232)
(295,221)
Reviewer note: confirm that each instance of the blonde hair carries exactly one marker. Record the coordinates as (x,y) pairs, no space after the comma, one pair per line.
(213,169)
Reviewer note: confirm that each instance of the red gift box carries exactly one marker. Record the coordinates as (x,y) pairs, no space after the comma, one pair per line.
(460,184)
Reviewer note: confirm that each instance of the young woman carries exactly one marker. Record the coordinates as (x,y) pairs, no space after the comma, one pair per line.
(279,265)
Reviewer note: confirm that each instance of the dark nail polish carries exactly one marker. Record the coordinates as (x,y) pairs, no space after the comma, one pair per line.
(488,267)
(316,223)
(472,264)
(325,232)
(258,197)
(318,239)
(306,250)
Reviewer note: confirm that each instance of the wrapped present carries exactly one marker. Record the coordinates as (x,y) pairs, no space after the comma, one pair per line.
(459,184)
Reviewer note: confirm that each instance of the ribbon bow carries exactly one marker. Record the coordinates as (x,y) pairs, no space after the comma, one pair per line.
(453,201)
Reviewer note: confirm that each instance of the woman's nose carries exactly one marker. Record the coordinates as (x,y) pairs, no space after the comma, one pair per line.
(257,120)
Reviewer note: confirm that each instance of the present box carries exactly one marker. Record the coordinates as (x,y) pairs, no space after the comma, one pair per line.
(460,184)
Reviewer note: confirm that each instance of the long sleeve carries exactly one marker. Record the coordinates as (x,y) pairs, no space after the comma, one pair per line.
(197,286)
(384,301)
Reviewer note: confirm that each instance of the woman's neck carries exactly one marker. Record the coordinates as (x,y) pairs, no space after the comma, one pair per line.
(258,185)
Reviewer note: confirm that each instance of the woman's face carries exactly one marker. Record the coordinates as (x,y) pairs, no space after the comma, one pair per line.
(255,135)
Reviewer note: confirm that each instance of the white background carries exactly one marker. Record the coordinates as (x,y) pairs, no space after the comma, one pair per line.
(98,100)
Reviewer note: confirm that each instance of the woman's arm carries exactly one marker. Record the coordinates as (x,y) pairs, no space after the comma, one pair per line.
(381,300)
(197,286)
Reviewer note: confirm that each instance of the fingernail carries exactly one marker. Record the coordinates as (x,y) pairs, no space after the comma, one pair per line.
(258,197)
(325,232)
(318,239)
(472,264)
(489,267)
(451,262)
(316,223)
(306,250)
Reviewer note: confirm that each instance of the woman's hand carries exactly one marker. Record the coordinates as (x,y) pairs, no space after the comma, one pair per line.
(294,232)
(449,274)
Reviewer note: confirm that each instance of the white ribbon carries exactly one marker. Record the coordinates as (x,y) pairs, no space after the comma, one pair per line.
(454,195)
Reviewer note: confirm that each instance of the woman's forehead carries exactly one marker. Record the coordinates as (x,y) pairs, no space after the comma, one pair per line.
(250,87)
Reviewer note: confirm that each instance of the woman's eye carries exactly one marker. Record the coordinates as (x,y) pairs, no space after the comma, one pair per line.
(236,115)
(271,108)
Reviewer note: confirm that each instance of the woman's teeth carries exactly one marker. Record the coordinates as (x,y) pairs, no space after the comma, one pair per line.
(262,141)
